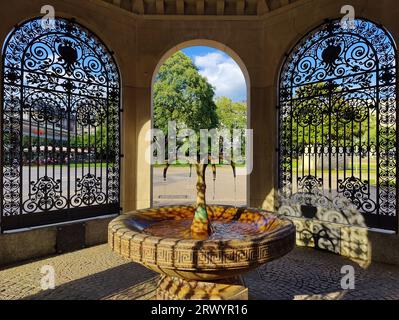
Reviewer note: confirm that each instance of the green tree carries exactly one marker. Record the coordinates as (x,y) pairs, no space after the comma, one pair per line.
(99,140)
(181,94)
(313,121)
(232,115)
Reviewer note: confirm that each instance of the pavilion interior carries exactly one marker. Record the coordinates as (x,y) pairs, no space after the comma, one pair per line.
(260,35)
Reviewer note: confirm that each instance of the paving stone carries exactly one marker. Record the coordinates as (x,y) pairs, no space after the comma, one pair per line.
(99,273)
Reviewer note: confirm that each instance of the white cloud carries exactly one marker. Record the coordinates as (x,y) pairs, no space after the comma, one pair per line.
(224,74)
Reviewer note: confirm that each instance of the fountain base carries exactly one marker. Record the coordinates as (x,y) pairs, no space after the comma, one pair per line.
(171,288)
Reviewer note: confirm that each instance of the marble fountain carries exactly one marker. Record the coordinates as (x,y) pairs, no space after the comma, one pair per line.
(201,251)
(160,239)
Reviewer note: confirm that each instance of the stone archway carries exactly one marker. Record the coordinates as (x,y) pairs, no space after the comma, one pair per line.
(234,56)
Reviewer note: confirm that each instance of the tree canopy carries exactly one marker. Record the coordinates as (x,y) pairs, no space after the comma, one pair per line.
(232,115)
(313,121)
(183,95)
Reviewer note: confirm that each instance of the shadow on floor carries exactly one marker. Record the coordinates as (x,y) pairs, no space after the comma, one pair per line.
(128,281)
(303,274)
(306,274)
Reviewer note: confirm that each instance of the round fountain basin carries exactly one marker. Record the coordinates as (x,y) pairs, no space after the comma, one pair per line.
(160,239)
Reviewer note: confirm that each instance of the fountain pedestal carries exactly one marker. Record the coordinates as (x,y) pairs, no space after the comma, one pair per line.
(171,288)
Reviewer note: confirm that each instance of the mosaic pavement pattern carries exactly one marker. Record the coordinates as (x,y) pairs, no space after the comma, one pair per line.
(98,273)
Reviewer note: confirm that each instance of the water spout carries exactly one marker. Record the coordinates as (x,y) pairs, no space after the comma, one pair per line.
(214,181)
(165,171)
(233,166)
(214,189)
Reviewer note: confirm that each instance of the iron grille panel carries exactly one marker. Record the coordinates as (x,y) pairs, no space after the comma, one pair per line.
(337,126)
(60,124)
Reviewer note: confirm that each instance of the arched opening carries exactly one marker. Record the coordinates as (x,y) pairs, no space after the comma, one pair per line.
(226,184)
(337,126)
(60,124)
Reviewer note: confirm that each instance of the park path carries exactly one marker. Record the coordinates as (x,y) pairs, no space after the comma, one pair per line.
(179,187)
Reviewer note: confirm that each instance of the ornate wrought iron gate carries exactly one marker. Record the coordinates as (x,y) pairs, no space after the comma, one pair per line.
(60,125)
(338,127)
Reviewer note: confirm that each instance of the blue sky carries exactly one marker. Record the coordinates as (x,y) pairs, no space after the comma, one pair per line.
(220,70)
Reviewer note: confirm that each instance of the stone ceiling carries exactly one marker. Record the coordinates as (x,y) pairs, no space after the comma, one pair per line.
(200,7)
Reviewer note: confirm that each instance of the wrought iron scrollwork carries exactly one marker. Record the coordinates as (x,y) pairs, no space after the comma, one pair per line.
(357,192)
(45,194)
(88,191)
(310,184)
(61,116)
(337,123)
(90,113)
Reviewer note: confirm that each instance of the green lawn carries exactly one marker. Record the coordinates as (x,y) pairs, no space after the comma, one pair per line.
(186,165)
(78,165)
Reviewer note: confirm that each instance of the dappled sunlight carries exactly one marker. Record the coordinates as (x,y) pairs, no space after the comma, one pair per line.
(144,290)
(170,288)
(327,296)
(347,240)
(269,202)
(242,239)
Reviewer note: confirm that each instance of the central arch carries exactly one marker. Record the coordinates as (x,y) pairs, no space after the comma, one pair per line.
(215,45)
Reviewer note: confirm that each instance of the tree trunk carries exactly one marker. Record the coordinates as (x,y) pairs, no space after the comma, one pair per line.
(201,227)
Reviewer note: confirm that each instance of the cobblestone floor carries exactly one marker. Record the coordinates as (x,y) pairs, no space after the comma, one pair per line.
(98,273)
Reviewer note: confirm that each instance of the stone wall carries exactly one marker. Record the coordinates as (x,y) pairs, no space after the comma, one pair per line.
(260,43)
(35,243)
